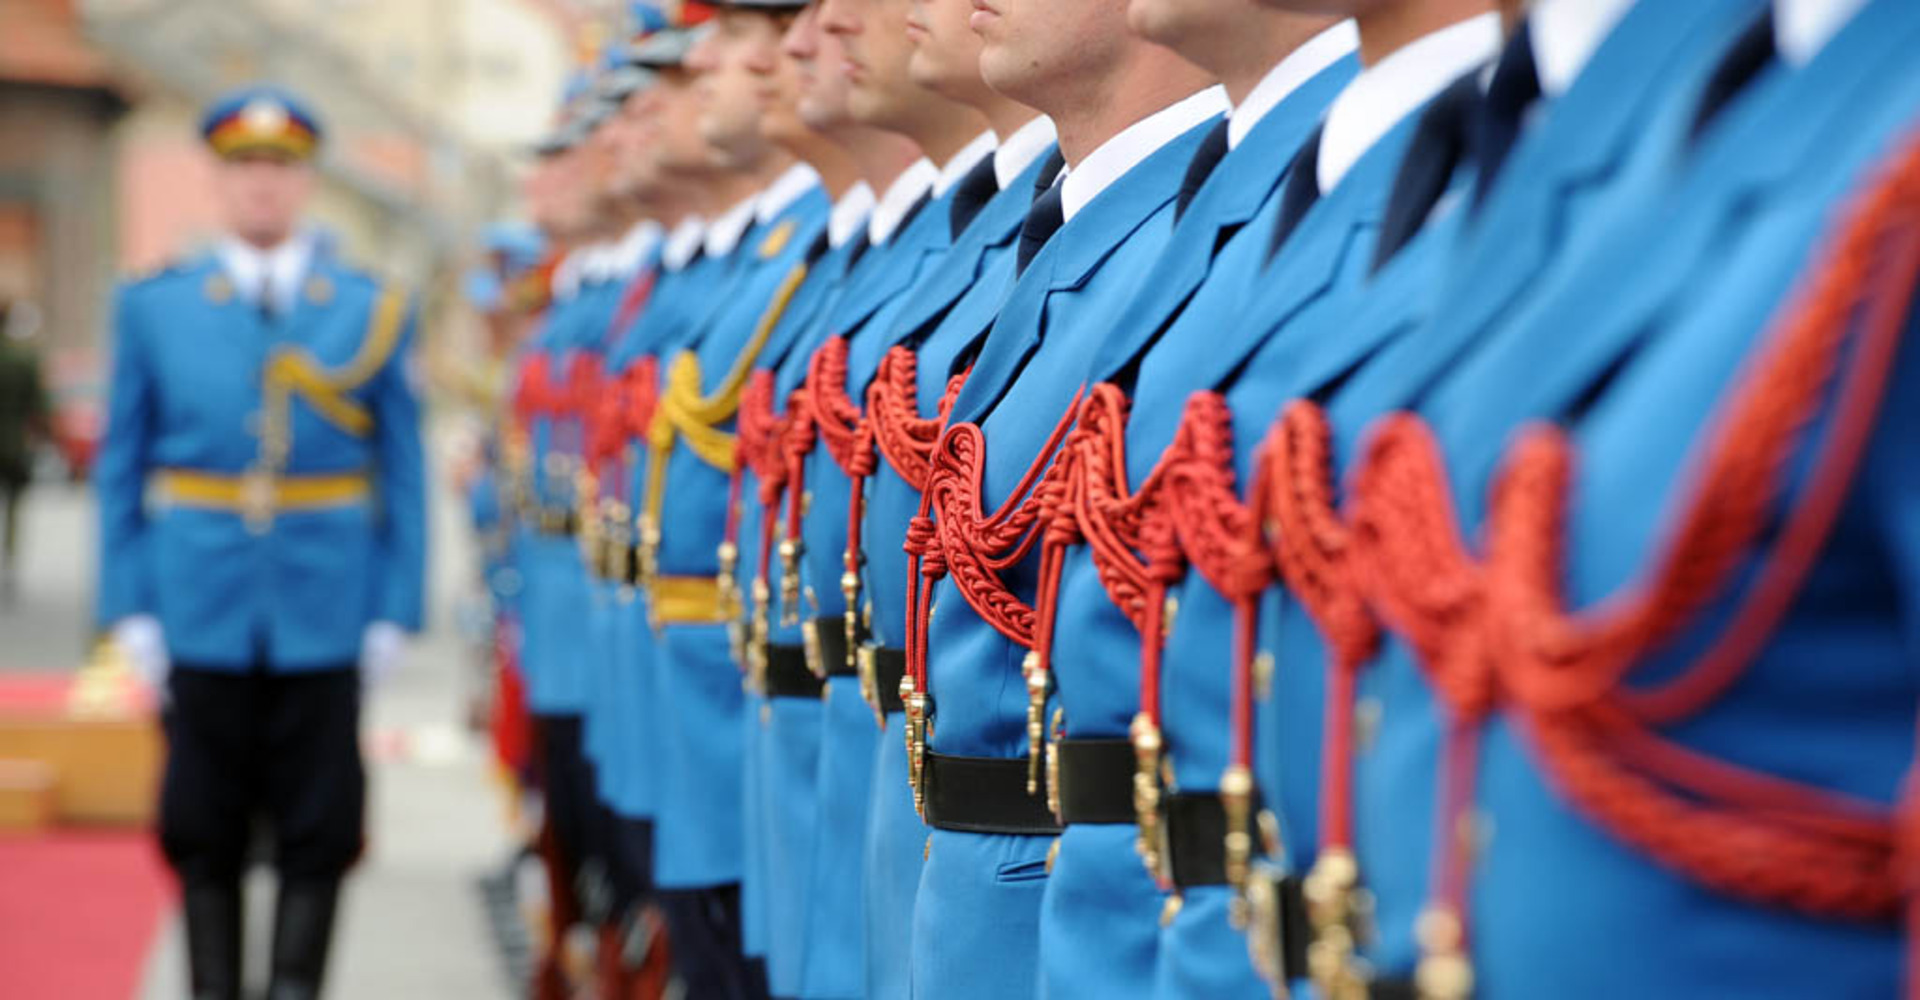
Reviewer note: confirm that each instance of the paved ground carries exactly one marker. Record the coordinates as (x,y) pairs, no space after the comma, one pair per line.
(413,926)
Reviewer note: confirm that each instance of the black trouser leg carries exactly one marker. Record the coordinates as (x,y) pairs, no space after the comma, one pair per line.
(213,918)
(302,932)
(704,925)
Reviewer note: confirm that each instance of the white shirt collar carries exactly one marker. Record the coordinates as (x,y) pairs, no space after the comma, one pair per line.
(849,214)
(725,233)
(784,191)
(639,243)
(1801,28)
(1391,89)
(1022,148)
(966,159)
(1083,181)
(901,196)
(279,269)
(1565,34)
(1299,66)
(683,243)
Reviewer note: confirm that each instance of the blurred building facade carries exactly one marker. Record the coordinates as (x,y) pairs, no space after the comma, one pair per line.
(429,106)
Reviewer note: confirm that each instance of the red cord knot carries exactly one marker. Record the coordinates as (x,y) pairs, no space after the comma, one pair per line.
(1312,544)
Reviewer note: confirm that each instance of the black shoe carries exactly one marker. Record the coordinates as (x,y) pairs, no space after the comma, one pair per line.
(302,930)
(214,920)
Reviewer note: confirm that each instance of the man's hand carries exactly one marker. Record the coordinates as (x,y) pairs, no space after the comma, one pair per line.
(382,646)
(144,645)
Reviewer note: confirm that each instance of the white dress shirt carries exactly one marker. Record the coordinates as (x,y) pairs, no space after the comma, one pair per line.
(683,243)
(1801,28)
(849,214)
(969,155)
(1082,182)
(725,232)
(637,245)
(1300,65)
(901,196)
(1565,34)
(1021,148)
(1394,87)
(786,189)
(276,272)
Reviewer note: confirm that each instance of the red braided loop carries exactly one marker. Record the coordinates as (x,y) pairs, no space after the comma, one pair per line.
(904,437)
(973,546)
(1215,531)
(1799,846)
(839,420)
(530,395)
(640,392)
(759,431)
(585,372)
(1110,515)
(1420,577)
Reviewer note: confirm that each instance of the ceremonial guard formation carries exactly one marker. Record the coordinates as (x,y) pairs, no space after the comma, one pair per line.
(1116,498)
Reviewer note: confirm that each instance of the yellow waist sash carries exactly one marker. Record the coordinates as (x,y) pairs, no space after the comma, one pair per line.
(249,493)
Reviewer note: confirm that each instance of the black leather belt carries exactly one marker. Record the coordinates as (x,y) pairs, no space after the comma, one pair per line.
(889,666)
(1195,827)
(787,674)
(830,636)
(1096,781)
(1279,926)
(984,795)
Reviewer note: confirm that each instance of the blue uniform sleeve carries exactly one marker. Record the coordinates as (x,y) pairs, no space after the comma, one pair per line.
(400,468)
(120,474)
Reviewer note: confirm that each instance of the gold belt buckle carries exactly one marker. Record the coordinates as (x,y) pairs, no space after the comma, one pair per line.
(256,500)
(866,663)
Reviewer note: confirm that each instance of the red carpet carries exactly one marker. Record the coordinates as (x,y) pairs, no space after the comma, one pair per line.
(78,913)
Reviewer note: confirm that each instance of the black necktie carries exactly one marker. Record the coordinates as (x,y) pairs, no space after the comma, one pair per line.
(1046,217)
(1426,170)
(1750,53)
(267,310)
(1303,189)
(972,194)
(1212,149)
(1049,169)
(1514,88)
(861,244)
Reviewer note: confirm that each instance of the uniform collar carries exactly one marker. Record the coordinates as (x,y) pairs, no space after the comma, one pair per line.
(279,269)
(901,196)
(640,243)
(1083,182)
(683,243)
(1565,34)
(969,155)
(1801,28)
(849,214)
(1020,149)
(1299,66)
(1391,89)
(784,191)
(725,233)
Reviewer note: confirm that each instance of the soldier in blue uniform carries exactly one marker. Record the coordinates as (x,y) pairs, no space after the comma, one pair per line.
(947,312)
(1130,115)
(908,236)
(1744,274)
(260,397)
(772,209)
(1280,70)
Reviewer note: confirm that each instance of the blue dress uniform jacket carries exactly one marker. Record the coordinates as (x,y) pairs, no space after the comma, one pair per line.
(1566,176)
(980,894)
(698,838)
(947,316)
(553,648)
(287,580)
(877,290)
(1102,928)
(1691,285)
(783,734)
(681,297)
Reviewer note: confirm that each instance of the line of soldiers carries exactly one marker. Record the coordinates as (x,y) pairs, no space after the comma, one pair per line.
(1196,498)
